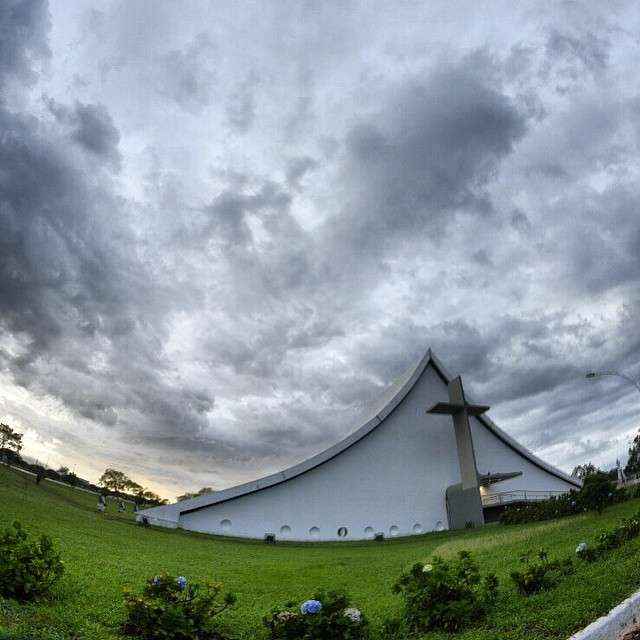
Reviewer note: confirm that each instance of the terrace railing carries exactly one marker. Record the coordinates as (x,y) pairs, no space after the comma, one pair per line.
(508,497)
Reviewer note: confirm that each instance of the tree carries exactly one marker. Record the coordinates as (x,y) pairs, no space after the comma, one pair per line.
(9,438)
(201,492)
(633,464)
(598,491)
(149,496)
(114,480)
(133,487)
(584,470)
(63,471)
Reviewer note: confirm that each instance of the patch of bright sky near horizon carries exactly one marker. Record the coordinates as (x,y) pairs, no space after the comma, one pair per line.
(241,221)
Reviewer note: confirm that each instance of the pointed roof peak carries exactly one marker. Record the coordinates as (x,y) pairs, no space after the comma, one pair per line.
(394,396)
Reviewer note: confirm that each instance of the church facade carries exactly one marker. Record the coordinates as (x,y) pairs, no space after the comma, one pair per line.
(393,476)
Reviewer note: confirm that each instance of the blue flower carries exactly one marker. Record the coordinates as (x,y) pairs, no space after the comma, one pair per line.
(181,581)
(310,607)
(156,581)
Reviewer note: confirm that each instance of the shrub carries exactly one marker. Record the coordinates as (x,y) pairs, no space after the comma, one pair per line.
(445,594)
(632,492)
(172,609)
(585,552)
(597,492)
(621,533)
(327,616)
(540,575)
(554,507)
(28,569)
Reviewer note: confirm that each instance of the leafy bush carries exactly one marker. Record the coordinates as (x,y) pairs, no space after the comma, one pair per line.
(597,492)
(621,533)
(171,609)
(540,575)
(626,530)
(445,594)
(554,507)
(585,552)
(28,569)
(327,616)
(632,492)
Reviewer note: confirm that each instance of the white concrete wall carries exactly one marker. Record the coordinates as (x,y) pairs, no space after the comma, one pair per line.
(494,456)
(393,481)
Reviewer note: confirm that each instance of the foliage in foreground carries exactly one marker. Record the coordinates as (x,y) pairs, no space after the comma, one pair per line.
(540,574)
(172,609)
(445,594)
(327,616)
(28,568)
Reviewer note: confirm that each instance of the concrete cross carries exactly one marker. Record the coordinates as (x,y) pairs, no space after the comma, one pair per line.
(460,410)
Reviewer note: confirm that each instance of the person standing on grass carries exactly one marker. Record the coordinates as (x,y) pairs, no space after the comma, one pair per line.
(102,503)
(121,506)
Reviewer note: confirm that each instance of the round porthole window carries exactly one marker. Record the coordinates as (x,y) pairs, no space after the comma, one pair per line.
(417,528)
(225,525)
(285,530)
(343,532)
(394,531)
(314,532)
(369,532)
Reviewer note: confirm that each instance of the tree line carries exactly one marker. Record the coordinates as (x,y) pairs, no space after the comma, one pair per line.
(632,468)
(113,480)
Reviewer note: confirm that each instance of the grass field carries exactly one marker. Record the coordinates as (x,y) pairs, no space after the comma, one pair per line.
(104,552)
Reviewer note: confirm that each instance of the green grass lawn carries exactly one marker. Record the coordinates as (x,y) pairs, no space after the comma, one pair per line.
(105,552)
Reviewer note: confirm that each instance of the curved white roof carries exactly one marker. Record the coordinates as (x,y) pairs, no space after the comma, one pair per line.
(391,400)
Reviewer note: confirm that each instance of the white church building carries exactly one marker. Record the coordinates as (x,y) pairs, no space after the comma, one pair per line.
(406,471)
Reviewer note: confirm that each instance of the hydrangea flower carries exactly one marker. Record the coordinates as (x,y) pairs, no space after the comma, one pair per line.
(181,581)
(311,607)
(353,614)
(581,548)
(427,568)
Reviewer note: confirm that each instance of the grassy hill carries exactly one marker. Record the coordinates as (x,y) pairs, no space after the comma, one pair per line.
(105,552)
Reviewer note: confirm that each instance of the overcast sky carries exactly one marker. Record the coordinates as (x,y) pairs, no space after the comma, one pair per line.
(225,227)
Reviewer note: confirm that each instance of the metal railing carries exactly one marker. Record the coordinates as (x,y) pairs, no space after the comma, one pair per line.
(630,481)
(521,495)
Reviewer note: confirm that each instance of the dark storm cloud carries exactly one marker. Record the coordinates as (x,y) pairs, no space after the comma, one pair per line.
(187,76)
(241,105)
(69,286)
(430,158)
(588,50)
(92,127)
(243,318)
(297,168)
(23,37)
